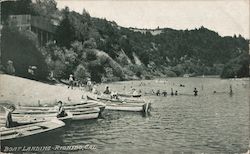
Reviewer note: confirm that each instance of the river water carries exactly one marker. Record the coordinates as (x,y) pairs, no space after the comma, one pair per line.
(208,123)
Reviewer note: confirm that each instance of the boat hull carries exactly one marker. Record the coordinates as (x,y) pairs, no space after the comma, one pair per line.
(129,95)
(88,116)
(123,106)
(80,111)
(74,115)
(27,133)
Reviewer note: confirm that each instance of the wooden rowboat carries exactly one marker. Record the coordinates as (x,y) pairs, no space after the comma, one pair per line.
(76,113)
(119,100)
(71,106)
(23,118)
(123,106)
(84,110)
(29,131)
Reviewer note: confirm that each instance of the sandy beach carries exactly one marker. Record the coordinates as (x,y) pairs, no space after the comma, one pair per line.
(23,91)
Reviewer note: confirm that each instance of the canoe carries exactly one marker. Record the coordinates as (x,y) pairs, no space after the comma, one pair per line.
(123,106)
(129,95)
(29,131)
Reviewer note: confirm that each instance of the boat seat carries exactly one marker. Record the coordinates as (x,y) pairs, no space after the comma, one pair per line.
(33,128)
(11,132)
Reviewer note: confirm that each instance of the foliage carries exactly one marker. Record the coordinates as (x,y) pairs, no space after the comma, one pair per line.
(237,67)
(88,46)
(81,73)
(23,52)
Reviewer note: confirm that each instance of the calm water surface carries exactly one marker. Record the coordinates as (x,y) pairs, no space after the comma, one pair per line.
(209,123)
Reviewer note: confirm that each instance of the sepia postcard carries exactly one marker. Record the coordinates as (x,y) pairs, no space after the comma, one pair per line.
(125,76)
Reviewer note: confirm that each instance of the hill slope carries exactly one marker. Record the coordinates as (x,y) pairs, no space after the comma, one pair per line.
(137,53)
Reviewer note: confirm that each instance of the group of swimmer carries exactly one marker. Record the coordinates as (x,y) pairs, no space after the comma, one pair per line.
(172,93)
(160,92)
(230,91)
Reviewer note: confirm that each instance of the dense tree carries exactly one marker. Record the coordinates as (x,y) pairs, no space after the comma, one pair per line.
(65,31)
(23,52)
(105,51)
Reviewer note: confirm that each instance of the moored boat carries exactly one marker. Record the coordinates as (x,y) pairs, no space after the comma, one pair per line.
(26,118)
(69,106)
(75,114)
(119,100)
(129,95)
(123,106)
(84,110)
(21,133)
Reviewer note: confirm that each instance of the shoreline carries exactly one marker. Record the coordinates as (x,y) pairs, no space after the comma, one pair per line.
(18,90)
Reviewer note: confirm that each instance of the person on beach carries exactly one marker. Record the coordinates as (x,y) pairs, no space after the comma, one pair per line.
(94,90)
(134,92)
(61,110)
(172,92)
(114,95)
(195,92)
(71,81)
(9,122)
(89,84)
(107,90)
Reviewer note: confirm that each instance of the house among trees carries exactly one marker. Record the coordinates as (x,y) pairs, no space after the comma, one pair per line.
(41,26)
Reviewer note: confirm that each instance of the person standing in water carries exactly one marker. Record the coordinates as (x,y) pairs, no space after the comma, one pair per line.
(164,93)
(230,90)
(176,93)
(158,93)
(195,92)
(172,92)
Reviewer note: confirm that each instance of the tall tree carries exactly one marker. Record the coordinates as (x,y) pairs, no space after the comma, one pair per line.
(65,31)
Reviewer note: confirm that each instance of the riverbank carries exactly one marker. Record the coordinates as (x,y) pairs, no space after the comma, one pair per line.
(17,90)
